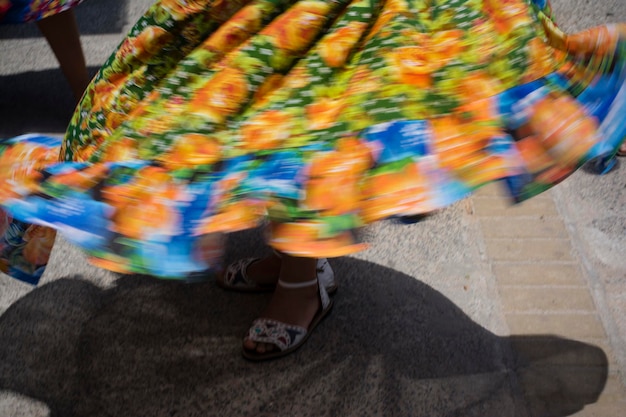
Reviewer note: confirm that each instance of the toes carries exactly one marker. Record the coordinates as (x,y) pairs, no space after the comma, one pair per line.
(258,346)
(265,347)
(249,344)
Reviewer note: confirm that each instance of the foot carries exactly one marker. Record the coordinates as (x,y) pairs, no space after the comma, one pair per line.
(292,306)
(622,150)
(296,300)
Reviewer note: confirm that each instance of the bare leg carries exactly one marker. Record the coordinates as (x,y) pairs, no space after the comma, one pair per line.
(266,270)
(296,306)
(61,32)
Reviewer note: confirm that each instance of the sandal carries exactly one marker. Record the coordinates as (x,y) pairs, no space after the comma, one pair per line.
(286,337)
(621,151)
(236,279)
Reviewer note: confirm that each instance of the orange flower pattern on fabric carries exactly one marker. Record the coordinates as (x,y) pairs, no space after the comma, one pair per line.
(181,9)
(417,64)
(221,96)
(295,29)
(563,128)
(337,47)
(144,206)
(145,45)
(20,168)
(269,130)
(39,241)
(192,150)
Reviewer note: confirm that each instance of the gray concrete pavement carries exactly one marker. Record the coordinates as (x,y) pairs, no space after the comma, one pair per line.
(433,320)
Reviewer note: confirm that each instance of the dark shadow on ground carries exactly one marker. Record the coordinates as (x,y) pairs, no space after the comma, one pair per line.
(94,17)
(393,346)
(35,101)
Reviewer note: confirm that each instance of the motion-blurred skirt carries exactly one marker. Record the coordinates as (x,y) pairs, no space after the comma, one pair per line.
(319,116)
(21,11)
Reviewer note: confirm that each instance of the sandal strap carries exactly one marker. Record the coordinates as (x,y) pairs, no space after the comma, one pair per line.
(326,275)
(295,285)
(323,294)
(236,273)
(279,334)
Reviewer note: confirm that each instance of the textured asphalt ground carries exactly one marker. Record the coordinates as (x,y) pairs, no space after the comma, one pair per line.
(420,327)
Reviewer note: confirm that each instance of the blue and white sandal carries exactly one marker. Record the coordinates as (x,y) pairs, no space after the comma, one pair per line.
(285,337)
(236,279)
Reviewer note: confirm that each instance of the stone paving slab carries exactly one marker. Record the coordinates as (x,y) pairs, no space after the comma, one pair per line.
(542,286)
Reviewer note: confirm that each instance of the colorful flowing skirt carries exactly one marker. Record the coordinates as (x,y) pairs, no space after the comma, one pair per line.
(315,118)
(21,11)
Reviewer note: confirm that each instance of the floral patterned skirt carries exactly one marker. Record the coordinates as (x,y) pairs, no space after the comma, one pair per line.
(21,11)
(214,116)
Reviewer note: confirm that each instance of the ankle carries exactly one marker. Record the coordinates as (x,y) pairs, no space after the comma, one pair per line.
(312,283)
(305,294)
